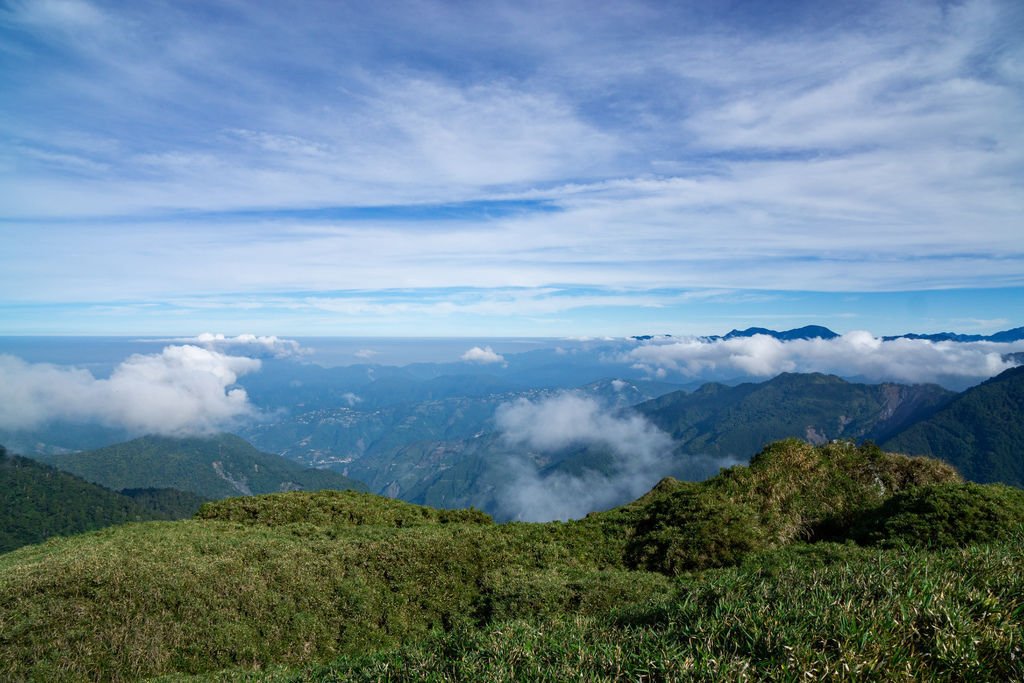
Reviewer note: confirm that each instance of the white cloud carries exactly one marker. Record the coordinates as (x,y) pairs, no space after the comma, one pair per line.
(641,455)
(855,354)
(181,390)
(569,419)
(252,345)
(873,148)
(484,355)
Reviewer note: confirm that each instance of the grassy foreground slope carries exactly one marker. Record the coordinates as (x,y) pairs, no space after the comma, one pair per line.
(826,612)
(342,585)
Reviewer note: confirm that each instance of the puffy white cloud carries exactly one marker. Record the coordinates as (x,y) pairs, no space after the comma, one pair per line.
(855,354)
(482,355)
(641,455)
(181,390)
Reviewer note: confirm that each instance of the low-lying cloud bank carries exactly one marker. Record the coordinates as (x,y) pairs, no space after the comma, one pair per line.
(640,452)
(854,354)
(184,389)
(248,345)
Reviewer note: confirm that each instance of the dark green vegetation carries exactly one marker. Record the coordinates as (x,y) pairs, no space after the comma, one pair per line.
(38,501)
(791,491)
(945,515)
(333,509)
(358,587)
(168,503)
(737,421)
(215,467)
(981,432)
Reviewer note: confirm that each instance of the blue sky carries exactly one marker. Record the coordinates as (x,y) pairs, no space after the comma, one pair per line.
(548,169)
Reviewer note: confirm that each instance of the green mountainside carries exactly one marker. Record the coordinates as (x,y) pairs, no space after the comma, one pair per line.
(981,432)
(715,423)
(809,562)
(38,501)
(738,421)
(345,433)
(216,467)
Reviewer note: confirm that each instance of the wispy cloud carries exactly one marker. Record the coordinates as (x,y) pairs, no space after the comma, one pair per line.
(249,345)
(863,148)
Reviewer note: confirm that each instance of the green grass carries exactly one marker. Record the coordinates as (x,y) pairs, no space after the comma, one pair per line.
(346,586)
(804,613)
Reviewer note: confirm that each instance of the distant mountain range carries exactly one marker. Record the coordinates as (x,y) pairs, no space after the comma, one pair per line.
(336,436)
(737,421)
(819,332)
(715,424)
(718,423)
(216,467)
(449,453)
(1016,334)
(806,332)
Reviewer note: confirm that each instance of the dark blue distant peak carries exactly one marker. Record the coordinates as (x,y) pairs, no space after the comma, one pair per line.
(806,332)
(1016,334)
(649,337)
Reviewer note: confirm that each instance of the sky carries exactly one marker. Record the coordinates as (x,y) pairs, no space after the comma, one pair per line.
(510,169)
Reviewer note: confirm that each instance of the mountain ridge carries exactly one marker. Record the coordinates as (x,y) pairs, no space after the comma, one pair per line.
(39,501)
(214,467)
(981,431)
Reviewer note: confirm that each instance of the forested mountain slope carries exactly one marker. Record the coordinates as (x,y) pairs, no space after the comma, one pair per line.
(214,467)
(981,432)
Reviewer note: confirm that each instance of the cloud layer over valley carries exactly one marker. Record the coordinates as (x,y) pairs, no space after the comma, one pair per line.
(856,354)
(639,454)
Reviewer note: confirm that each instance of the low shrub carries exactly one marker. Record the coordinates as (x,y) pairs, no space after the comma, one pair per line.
(944,516)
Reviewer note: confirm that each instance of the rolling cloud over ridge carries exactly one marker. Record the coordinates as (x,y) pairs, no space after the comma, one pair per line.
(854,354)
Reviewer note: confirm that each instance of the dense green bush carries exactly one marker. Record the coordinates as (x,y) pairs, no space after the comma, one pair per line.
(333,508)
(790,491)
(691,529)
(944,516)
